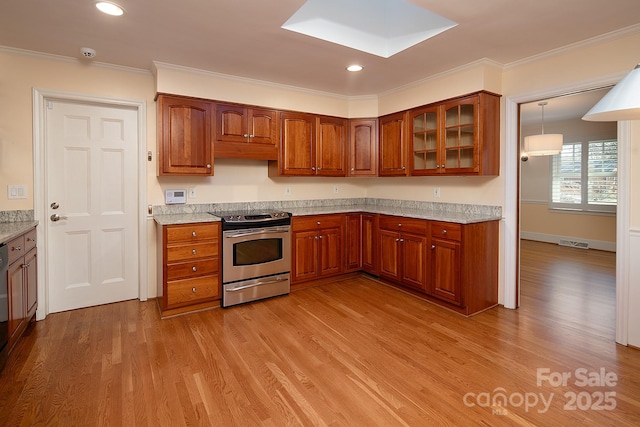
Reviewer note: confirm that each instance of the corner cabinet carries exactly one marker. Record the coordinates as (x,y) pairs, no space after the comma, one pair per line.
(188,267)
(245,132)
(363,147)
(22,284)
(392,146)
(456,137)
(184,136)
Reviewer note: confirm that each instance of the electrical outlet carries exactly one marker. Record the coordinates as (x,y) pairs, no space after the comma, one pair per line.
(436,192)
(287,191)
(336,190)
(192,192)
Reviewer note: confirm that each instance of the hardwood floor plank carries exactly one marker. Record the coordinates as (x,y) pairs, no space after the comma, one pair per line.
(352,352)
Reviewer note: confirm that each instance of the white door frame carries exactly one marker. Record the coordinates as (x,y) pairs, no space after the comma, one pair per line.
(40,96)
(512,223)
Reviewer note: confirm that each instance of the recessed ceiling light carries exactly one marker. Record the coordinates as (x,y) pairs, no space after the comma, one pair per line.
(110,8)
(354,67)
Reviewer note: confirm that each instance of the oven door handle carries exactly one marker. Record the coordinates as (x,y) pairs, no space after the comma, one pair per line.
(253,285)
(253,233)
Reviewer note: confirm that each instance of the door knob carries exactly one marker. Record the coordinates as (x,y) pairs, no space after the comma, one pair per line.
(54,205)
(56,217)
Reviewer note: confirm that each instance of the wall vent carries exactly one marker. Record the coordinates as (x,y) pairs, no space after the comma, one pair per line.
(574,244)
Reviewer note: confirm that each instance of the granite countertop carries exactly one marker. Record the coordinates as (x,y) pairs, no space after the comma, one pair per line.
(11,230)
(185,218)
(437,215)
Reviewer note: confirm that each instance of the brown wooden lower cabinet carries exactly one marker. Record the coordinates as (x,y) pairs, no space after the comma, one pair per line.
(402,248)
(188,267)
(317,247)
(22,284)
(451,264)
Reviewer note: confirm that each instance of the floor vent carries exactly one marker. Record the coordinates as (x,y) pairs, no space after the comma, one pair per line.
(574,244)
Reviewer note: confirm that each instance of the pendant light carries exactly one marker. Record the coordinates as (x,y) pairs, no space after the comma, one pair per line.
(543,144)
(620,103)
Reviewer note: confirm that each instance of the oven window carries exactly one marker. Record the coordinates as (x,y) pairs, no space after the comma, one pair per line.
(258,251)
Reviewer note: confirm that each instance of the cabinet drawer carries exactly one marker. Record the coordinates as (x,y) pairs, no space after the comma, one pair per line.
(182,292)
(192,268)
(17,248)
(316,222)
(191,232)
(400,224)
(192,251)
(30,240)
(446,230)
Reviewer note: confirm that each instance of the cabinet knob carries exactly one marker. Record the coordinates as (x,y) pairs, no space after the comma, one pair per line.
(208,165)
(318,222)
(433,246)
(246,135)
(193,290)
(397,240)
(313,168)
(251,136)
(193,233)
(353,169)
(403,168)
(194,269)
(442,166)
(321,236)
(316,237)
(193,251)
(444,231)
(16,248)
(399,224)
(401,240)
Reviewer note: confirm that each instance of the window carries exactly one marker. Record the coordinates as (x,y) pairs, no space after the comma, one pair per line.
(584,176)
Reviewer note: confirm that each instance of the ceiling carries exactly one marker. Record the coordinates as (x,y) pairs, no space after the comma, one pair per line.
(243,37)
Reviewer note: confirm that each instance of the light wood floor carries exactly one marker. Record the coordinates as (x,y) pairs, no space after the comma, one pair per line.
(351,353)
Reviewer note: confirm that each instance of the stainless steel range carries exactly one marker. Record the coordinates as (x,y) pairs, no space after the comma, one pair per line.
(256,256)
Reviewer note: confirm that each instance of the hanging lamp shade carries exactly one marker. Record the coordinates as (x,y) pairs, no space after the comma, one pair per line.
(546,144)
(543,144)
(620,103)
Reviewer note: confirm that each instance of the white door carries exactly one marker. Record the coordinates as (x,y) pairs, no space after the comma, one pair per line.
(91,198)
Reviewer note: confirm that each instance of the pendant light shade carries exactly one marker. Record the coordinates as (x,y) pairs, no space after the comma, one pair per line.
(543,144)
(621,103)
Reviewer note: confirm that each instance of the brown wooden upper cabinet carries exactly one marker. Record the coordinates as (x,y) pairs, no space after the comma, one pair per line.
(392,151)
(246,132)
(363,147)
(311,145)
(184,132)
(456,137)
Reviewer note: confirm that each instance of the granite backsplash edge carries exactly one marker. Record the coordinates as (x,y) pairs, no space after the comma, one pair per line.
(312,203)
(16,216)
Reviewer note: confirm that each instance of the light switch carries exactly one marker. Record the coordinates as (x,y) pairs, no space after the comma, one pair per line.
(17,191)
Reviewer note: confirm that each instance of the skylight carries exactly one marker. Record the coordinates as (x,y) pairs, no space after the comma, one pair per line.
(379,27)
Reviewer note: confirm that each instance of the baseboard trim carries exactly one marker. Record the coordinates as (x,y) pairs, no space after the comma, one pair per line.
(552,238)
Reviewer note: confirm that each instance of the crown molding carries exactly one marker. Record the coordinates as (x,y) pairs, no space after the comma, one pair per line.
(279,86)
(613,35)
(70,60)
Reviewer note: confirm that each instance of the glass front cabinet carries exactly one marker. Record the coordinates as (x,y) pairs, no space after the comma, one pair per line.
(457,137)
